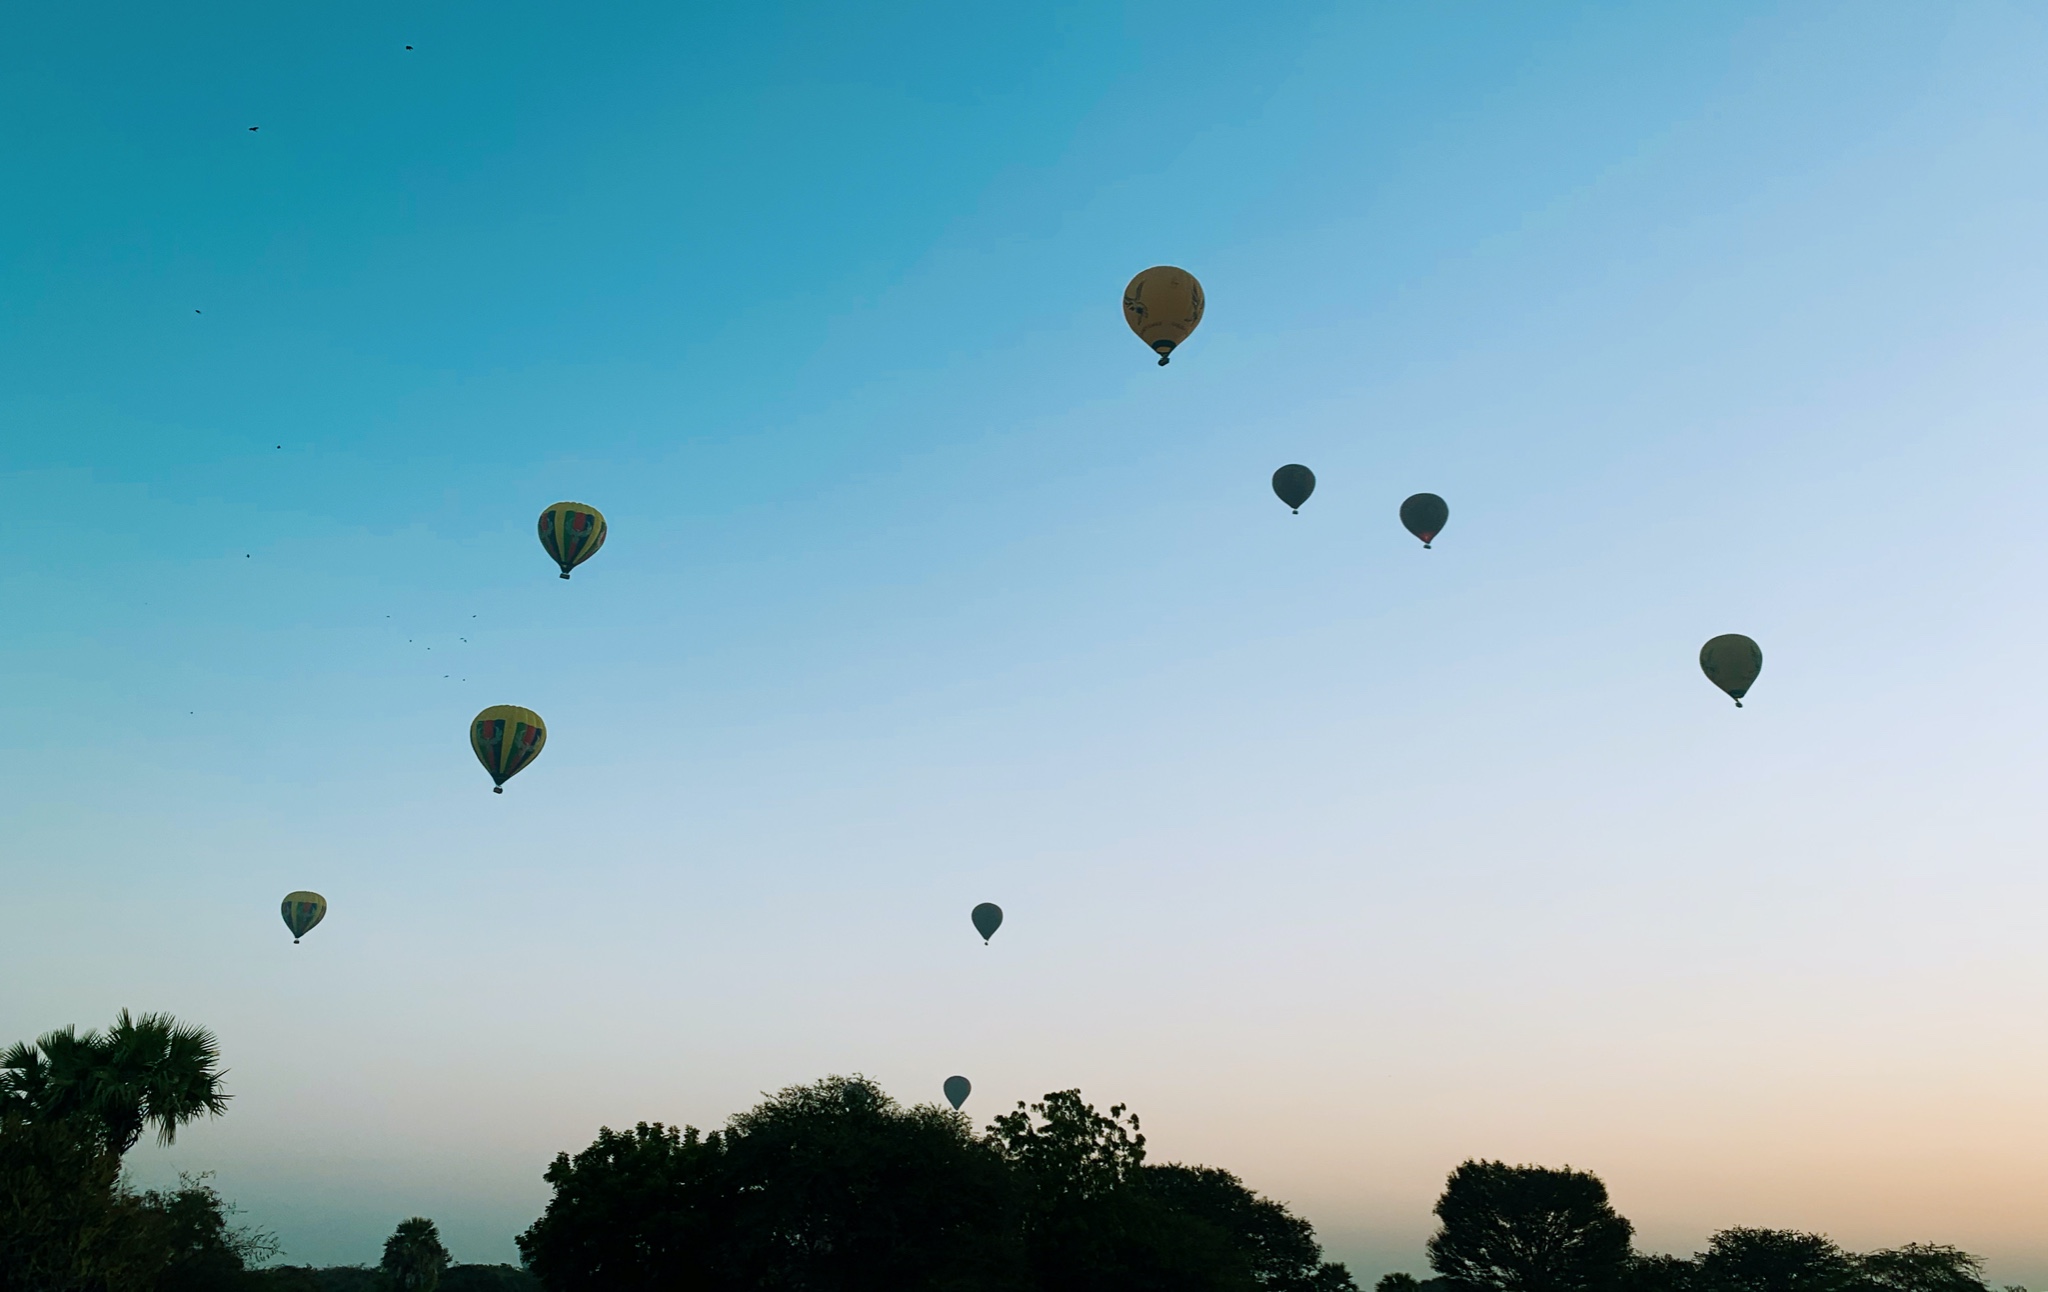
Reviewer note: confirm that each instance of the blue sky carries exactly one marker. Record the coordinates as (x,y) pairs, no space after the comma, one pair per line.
(1339,860)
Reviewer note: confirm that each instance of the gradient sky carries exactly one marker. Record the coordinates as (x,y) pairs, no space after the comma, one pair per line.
(1339,860)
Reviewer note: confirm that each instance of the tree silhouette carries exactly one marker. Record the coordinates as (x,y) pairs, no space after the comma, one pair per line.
(414,1259)
(834,1186)
(1922,1267)
(830,1185)
(1528,1229)
(145,1072)
(1775,1260)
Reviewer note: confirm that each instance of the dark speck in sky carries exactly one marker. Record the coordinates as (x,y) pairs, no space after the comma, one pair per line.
(254,127)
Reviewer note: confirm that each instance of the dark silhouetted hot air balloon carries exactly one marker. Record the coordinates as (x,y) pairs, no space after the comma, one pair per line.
(302,910)
(1731,662)
(957,1089)
(1294,483)
(987,917)
(1424,514)
(571,532)
(506,738)
(1163,305)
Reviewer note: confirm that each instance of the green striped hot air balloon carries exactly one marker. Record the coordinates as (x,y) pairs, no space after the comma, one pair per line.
(506,738)
(571,532)
(302,910)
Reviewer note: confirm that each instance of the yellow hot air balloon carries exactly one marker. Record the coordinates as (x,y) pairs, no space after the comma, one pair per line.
(1163,305)
(571,532)
(506,738)
(302,910)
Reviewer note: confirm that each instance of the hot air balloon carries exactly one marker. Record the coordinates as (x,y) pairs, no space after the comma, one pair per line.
(1294,483)
(1424,514)
(956,1090)
(1163,305)
(987,917)
(1731,662)
(571,532)
(302,910)
(506,738)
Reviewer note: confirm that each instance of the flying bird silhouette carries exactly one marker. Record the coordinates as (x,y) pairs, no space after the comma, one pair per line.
(253,127)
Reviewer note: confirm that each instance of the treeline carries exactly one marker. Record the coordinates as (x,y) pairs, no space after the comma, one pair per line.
(835,1185)
(1535,1229)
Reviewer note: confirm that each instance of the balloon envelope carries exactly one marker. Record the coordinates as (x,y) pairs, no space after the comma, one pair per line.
(957,1089)
(1731,662)
(1294,483)
(987,917)
(302,910)
(1163,305)
(1424,514)
(506,738)
(571,532)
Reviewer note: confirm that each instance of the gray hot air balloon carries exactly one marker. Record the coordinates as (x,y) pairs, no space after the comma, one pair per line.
(987,917)
(302,910)
(1294,483)
(1425,515)
(1731,662)
(956,1090)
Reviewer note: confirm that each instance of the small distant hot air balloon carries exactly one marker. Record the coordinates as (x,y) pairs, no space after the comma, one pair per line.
(1731,662)
(957,1089)
(506,738)
(302,910)
(1294,483)
(571,532)
(987,917)
(1424,514)
(1163,305)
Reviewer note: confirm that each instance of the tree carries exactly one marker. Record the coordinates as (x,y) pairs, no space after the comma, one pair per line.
(145,1072)
(1922,1267)
(414,1259)
(1396,1283)
(1097,1218)
(1775,1260)
(1528,1229)
(1275,1247)
(830,1185)
(835,1187)
(637,1211)
(206,1251)
(66,1225)
(1084,1225)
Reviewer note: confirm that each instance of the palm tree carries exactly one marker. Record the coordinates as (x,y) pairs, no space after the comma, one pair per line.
(413,1257)
(151,1071)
